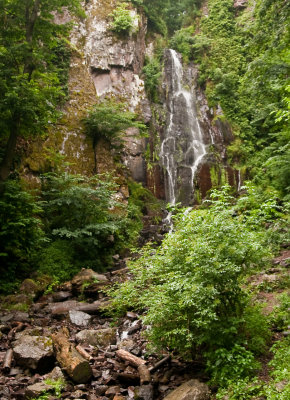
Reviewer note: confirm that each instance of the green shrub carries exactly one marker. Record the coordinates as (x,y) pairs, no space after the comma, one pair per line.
(280,317)
(83,214)
(108,121)
(152,74)
(226,366)
(183,41)
(58,260)
(123,22)
(190,286)
(21,234)
(276,388)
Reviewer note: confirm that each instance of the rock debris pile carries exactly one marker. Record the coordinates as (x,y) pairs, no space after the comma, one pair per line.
(66,348)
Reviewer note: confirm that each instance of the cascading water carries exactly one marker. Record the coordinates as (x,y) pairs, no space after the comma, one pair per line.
(182,148)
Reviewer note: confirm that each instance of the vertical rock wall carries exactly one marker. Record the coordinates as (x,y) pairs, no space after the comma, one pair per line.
(102,65)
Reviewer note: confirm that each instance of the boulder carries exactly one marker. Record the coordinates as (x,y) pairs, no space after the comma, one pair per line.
(34,352)
(191,390)
(97,338)
(29,287)
(87,276)
(34,391)
(145,392)
(79,318)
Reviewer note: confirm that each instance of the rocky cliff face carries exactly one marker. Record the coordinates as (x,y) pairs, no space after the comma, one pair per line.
(102,65)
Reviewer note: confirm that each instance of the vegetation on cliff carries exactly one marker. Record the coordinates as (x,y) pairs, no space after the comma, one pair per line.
(31,74)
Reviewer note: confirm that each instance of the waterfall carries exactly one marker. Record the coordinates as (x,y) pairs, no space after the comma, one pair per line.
(182,147)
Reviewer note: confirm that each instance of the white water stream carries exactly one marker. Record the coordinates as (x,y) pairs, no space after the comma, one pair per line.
(183,146)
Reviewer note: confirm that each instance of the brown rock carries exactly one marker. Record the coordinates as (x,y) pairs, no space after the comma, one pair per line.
(191,390)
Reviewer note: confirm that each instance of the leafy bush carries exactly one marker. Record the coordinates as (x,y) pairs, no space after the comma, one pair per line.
(152,73)
(280,316)
(183,41)
(226,365)
(57,260)
(21,234)
(190,286)
(85,215)
(108,121)
(123,22)
(277,388)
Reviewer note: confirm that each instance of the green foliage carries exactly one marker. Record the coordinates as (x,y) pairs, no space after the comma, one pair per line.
(152,74)
(123,21)
(191,285)
(244,67)
(277,388)
(33,61)
(108,121)
(231,365)
(85,219)
(57,260)
(183,41)
(280,317)
(20,234)
(56,389)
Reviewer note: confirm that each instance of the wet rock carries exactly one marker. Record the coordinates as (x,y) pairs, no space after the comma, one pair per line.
(34,352)
(37,389)
(79,318)
(191,390)
(97,338)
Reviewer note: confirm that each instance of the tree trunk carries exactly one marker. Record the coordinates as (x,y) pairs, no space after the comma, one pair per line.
(76,366)
(31,15)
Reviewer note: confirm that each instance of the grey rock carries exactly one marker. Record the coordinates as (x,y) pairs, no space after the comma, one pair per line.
(145,392)
(98,338)
(55,374)
(191,390)
(79,318)
(34,352)
(37,389)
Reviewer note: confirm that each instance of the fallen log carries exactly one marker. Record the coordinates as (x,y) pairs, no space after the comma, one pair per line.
(7,361)
(160,363)
(130,358)
(144,373)
(126,377)
(76,366)
(83,352)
